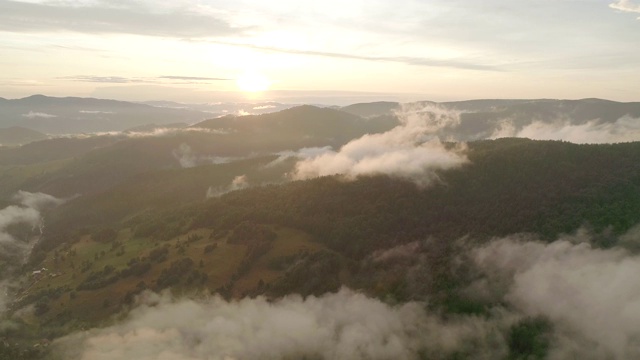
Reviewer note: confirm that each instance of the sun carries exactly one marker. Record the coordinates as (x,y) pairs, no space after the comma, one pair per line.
(253,82)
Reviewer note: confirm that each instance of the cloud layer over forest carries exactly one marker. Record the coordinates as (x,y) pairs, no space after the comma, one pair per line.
(13,250)
(590,297)
(410,150)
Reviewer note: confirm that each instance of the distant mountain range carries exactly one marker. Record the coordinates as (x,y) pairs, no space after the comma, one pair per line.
(72,115)
(17,135)
(474,119)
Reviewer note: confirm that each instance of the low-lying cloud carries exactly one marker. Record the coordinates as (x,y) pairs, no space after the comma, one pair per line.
(13,250)
(95,112)
(188,158)
(238,183)
(344,325)
(591,295)
(27,212)
(624,129)
(410,150)
(185,156)
(35,115)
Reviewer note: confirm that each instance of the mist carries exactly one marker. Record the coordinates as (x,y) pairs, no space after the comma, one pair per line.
(238,183)
(26,212)
(625,129)
(590,296)
(344,325)
(14,250)
(410,150)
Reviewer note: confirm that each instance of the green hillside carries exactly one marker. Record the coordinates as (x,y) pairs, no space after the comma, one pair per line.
(17,135)
(510,186)
(145,222)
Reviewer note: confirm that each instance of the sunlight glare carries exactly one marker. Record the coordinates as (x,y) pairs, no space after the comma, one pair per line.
(253,82)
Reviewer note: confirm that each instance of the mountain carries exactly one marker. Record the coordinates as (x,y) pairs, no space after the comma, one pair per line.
(149,128)
(158,229)
(301,126)
(219,109)
(368,110)
(53,115)
(540,118)
(17,135)
(214,214)
(85,165)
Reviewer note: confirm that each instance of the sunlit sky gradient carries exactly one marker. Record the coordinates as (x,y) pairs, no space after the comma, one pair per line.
(194,51)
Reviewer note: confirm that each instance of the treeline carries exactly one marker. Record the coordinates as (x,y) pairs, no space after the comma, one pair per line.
(511,186)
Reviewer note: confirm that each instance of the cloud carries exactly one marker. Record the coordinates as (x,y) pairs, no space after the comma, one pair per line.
(410,150)
(157,132)
(263,107)
(33,115)
(591,295)
(625,129)
(13,250)
(185,156)
(27,212)
(304,153)
(15,215)
(167,131)
(168,79)
(104,79)
(195,78)
(238,183)
(409,60)
(344,325)
(626,6)
(104,17)
(95,112)
(36,201)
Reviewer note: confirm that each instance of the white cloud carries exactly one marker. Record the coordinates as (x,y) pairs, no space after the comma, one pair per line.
(591,295)
(624,129)
(95,112)
(33,115)
(13,251)
(263,107)
(185,156)
(238,183)
(185,19)
(36,200)
(410,150)
(626,6)
(304,153)
(28,212)
(345,325)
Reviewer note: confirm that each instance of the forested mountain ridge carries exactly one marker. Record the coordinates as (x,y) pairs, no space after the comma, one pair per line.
(216,209)
(278,237)
(509,186)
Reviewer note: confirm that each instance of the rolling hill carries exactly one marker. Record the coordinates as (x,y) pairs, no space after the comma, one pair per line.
(17,135)
(213,210)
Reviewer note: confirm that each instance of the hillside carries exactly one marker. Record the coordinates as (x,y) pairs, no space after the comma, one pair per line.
(583,121)
(17,135)
(213,210)
(72,115)
(316,125)
(511,185)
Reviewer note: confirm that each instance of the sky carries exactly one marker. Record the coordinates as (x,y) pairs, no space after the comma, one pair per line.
(320,51)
